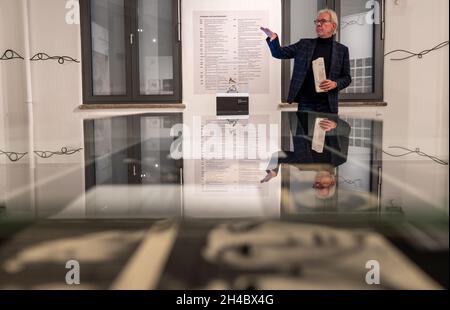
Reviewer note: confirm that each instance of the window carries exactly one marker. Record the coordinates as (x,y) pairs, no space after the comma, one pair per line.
(125,155)
(131,51)
(360,29)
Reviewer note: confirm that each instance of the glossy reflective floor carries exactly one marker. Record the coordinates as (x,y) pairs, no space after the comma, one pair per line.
(148,204)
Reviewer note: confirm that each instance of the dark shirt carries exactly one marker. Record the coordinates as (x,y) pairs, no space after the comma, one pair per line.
(308,90)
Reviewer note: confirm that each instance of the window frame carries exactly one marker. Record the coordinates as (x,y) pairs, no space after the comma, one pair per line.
(132,72)
(378,53)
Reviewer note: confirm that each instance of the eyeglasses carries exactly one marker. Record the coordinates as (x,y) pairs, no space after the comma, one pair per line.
(321,21)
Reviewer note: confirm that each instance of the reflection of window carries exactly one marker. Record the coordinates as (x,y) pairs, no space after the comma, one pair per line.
(132,50)
(360,30)
(133,149)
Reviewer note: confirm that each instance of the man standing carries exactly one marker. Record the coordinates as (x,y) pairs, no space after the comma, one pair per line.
(337,65)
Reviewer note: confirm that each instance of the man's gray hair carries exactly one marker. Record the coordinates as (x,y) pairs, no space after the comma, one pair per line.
(333,16)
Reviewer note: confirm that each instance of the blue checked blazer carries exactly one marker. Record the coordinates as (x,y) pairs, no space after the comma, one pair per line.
(302,52)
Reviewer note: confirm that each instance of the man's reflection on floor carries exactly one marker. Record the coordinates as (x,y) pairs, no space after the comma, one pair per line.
(334,154)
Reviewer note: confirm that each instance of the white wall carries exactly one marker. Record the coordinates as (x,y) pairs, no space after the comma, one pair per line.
(56,88)
(59,179)
(416,91)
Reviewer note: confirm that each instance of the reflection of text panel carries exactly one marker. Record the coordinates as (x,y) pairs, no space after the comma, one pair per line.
(230,45)
(217,171)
